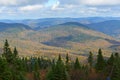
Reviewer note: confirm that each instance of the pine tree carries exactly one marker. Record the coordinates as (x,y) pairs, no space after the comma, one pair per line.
(6,48)
(58,71)
(90,59)
(77,64)
(67,58)
(116,68)
(67,62)
(5,73)
(15,52)
(15,70)
(100,65)
(111,60)
(36,70)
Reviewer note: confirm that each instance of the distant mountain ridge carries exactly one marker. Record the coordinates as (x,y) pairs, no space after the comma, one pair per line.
(47,22)
(7,26)
(111,27)
(61,34)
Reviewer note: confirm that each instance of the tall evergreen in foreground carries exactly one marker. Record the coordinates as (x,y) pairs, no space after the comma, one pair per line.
(116,68)
(110,61)
(77,64)
(5,73)
(14,64)
(100,65)
(58,71)
(15,52)
(36,70)
(67,62)
(90,59)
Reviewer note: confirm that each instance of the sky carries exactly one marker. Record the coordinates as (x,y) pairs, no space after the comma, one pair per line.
(34,9)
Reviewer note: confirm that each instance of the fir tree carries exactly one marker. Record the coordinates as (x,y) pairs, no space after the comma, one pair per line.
(15,69)
(36,70)
(116,69)
(90,59)
(67,59)
(77,64)
(57,71)
(67,62)
(5,73)
(100,65)
(111,60)
(15,52)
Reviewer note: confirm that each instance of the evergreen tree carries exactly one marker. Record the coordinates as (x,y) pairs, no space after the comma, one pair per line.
(6,46)
(90,59)
(116,55)
(77,64)
(14,63)
(36,70)
(116,68)
(5,73)
(100,65)
(67,62)
(67,59)
(111,60)
(58,71)
(15,52)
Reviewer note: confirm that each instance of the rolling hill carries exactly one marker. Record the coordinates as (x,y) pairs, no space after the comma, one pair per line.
(10,27)
(75,36)
(38,24)
(70,37)
(111,27)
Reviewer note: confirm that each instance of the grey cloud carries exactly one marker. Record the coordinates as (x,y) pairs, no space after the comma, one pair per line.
(21,2)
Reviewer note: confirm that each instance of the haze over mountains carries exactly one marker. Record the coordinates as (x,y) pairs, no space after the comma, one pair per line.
(51,36)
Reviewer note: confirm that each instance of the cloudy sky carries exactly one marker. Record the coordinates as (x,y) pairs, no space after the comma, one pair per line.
(32,9)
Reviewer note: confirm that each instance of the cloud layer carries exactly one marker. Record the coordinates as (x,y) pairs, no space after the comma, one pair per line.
(18,9)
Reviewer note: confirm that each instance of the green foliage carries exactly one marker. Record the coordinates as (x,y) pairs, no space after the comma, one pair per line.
(15,52)
(5,73)
(77,64)
(58,71)
(116,68)
(111,60)
(12,65)
(100,65)
(90,59)
(67,62)
(36,75)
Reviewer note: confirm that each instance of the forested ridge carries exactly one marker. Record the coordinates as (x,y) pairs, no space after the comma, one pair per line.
(14,67)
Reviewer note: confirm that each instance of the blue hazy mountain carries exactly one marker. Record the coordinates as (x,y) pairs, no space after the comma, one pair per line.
(110,27)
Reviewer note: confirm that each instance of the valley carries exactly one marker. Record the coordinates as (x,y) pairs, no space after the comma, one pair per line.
(46,37)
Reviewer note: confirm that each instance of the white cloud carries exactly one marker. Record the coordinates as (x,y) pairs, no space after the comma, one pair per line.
(55,5)
(101,2)
(91,2)
(8,2)
(59,8)
(31,7)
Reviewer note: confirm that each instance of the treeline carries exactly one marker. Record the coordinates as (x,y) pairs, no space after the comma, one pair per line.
(13,67)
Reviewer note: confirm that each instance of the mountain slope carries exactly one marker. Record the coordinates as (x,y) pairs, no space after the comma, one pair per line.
(70,37)
(38,24)
(111,27)
(74,36)
(10,27)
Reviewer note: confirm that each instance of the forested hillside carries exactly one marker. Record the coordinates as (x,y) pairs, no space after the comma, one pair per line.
(14,67)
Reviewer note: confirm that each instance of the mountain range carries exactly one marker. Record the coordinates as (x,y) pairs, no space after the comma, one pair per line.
(51,36)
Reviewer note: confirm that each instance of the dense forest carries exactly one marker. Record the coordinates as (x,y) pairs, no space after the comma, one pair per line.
(14,67)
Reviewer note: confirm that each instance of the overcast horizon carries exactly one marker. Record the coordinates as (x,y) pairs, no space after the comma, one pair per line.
(35,9)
